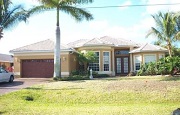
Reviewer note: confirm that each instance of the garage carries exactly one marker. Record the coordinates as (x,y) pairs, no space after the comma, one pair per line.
(37,68)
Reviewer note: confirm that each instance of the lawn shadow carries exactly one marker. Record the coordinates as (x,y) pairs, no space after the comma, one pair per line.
(2,112)
(171,78)
(76,81)
(7,84)
(34,88)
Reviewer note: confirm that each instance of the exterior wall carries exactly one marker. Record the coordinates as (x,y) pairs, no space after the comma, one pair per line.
(73,63)
(6,64)
(101,50)
(143,54)
(19,57)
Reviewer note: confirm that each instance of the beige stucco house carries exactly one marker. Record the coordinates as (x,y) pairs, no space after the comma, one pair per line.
(6,60)
(116,56)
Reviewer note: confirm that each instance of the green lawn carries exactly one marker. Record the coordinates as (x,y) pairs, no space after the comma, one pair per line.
(110,96)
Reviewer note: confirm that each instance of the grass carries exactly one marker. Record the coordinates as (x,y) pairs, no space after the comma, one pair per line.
(110,96)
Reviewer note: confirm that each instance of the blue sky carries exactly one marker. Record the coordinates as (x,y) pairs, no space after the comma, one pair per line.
(125,22)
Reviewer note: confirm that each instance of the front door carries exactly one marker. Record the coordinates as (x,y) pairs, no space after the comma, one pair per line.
(122,65)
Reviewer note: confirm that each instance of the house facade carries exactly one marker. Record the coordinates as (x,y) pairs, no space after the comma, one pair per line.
(116,57)
(6,60)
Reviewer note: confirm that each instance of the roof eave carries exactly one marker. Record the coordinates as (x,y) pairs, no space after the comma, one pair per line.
(148,51)
(40,51)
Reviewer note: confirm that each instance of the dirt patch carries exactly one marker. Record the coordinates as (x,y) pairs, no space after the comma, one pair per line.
(141,85)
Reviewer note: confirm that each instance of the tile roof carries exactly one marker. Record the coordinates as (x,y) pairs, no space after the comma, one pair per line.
(148,48)
(106,40)
(6,58)
(77,43)
(45,46)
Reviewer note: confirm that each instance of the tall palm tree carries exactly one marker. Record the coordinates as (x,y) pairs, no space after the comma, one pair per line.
(10,15)
(69,7)
(165,30)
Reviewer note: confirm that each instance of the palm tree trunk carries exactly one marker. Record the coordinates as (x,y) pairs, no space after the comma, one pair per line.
(57,52)
(169,49)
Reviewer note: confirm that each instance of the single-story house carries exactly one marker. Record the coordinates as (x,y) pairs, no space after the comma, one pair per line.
(6,60)
(116,56)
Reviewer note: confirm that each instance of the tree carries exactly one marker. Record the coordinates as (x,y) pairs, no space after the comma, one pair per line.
(10,15)
(166,29)
(69,7)
(87,57)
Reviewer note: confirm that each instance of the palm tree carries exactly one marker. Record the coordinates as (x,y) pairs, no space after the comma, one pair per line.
(10,15)
(166,29)
(69,7)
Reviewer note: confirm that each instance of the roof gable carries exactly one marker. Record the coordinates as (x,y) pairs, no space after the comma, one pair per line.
(149,48)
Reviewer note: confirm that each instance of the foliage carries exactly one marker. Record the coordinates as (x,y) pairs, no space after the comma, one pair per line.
(152,69)
(86,57)
(87,73)
(166,30)
(100,75)
(79,72)
(176,51)
(168,65)
(74,77)
(11,15)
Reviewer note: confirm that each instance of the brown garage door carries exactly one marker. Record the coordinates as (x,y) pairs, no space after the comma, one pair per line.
(37,68)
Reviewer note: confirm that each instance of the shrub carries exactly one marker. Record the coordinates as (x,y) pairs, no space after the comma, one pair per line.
(167,65)
(74,72)
(151,68)
(74,77)
(100,75)
(79,72)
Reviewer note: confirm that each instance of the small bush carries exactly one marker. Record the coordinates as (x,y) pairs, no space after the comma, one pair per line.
(75,72)
(74,77)
(79,72)
(100,75)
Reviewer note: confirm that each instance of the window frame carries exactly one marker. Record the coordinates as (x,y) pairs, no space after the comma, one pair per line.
(109,60)
(136,62)
(149,55)
(95,62)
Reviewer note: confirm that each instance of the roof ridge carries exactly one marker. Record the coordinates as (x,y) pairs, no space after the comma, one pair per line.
(33,44)
(143,46)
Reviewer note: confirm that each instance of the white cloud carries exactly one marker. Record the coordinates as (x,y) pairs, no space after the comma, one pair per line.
(135,32)
(98,25)
(164,8)
(125,4)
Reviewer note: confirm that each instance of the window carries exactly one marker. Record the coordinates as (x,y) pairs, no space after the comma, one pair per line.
(121,52)
(106,61)
(137,62)
(95,65)
(149,58)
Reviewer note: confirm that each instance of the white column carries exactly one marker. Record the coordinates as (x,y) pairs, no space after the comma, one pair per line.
(131,60)
(113,63)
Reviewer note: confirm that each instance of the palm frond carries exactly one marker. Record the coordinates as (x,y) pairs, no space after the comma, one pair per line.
(154,32)
(9,13)
(77,13)
(38,9)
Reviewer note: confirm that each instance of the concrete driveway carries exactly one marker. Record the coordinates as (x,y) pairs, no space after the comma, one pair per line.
(20,83)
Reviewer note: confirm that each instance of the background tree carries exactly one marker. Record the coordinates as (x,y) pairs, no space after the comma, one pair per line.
(69,7)
(166,29)
(10,15)
(85,58)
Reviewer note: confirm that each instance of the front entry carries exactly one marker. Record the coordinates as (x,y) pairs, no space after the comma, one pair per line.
(122,65)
